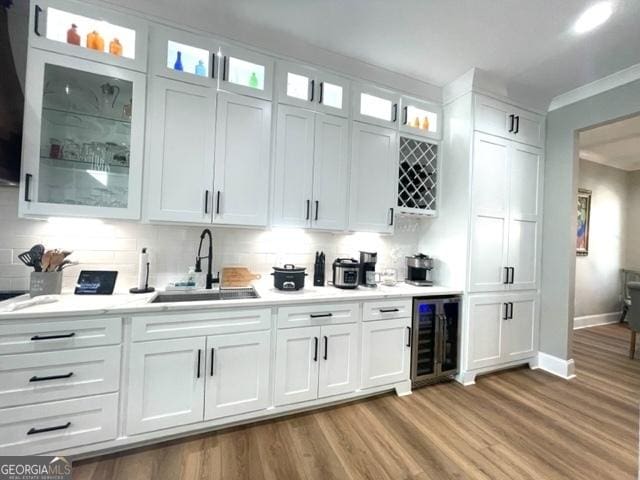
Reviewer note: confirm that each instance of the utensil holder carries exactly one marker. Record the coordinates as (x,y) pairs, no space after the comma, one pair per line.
(45,283)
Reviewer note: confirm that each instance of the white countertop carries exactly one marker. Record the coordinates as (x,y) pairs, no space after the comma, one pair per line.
(125,304)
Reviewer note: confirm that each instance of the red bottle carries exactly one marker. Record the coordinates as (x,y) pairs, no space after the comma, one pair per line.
(72,35)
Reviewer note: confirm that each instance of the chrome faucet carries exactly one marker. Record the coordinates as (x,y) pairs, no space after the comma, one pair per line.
(210,280)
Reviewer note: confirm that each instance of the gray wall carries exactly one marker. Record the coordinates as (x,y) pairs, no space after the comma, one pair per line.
(561,185)
(598,274)
(632,257)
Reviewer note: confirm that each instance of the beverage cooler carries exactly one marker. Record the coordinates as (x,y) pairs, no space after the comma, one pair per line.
(436,339)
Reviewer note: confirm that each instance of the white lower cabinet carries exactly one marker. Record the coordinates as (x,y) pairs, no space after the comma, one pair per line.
(386,351)
(314,362)
(501,329)
(237,374)
(166,384)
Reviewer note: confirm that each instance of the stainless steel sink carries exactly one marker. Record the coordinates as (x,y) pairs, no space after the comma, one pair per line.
(222,294)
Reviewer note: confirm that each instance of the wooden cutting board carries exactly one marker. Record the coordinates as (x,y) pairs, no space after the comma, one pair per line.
(238,277)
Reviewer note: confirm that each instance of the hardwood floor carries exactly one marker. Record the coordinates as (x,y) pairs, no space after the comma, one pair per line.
(515,424)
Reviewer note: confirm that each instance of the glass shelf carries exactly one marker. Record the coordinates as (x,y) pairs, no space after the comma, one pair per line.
(126,122)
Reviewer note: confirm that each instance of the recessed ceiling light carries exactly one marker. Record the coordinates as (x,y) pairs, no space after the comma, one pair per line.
(593,17)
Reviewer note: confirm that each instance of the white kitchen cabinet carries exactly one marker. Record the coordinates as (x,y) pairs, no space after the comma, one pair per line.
(180,158)
(166,384)
(311,88)
(83,138)
(311,170)
(373,178)
(293,187)
(246,72)
(50,23)
(237,374)
(242,153)
(339,366)
(296,371)
(183,56)
(421,118)
(502,328)
(386,351)
(499,118)
(375,105)
(506,215)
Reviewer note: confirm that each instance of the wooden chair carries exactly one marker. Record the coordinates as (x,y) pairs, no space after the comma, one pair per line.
(633,316)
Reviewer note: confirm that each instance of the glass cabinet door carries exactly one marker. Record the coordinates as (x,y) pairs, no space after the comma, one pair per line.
(246,72)
(374,105)
(333,95)
(420,118)
(84,134)
(81,30)
(183,56)
(295,84)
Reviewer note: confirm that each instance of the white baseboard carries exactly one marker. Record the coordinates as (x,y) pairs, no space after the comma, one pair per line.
(556,366)
(593,320)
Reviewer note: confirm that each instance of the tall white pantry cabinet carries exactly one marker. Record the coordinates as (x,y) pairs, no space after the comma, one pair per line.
(491,216)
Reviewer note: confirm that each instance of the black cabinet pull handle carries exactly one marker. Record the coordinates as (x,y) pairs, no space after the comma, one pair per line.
(315,349)
(308,209)
(321,315)
(313,90)
(52,377)
(408,336)
(512,274)
(391,215)
(321,94)
(326,346)
(53,337)
(389,310)
(34,430)
(213,351)
(27,181)
(225,62)
(317,209)
(218,203)
(199,361)
(394,117)
(405,115)
(517,124)
(510,310)
(206,201)
(506,276)
(36,21)
(213,65)
(506,311)
(512,118)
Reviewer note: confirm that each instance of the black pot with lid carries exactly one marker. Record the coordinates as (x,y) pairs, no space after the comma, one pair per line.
(288,277)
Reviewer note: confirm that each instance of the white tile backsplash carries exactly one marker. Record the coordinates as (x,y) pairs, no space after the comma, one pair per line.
(115,245)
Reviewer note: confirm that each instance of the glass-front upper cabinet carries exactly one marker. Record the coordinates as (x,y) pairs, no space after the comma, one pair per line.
(83,138)
(183,56)
(246,72)
(87,31)
(375,105)
(421,118)
(313,89)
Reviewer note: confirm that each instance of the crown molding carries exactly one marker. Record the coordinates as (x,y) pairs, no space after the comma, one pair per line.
(601,85)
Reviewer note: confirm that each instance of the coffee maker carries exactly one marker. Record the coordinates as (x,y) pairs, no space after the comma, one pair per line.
(368,264)
(419,269)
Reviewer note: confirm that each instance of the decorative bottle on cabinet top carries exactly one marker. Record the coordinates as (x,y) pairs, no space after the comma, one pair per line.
(115,47)
(178,64)
(72,35)
(200,70)
(95,41)
(253,80)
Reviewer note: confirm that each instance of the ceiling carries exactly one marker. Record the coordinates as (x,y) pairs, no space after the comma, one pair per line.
(616,144)
(526,42)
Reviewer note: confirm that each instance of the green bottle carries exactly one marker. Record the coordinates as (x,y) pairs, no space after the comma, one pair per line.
(253,80)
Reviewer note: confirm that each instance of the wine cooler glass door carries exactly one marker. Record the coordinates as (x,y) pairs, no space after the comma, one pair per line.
(425,345)
(450,333)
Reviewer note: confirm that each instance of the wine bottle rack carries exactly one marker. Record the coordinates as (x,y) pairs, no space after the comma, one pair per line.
(417,177)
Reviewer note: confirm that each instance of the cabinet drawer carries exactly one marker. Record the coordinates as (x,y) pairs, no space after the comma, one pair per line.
(176,325)
(318,314)
(47,376)
(42,335)
(52,427)
(386,309)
